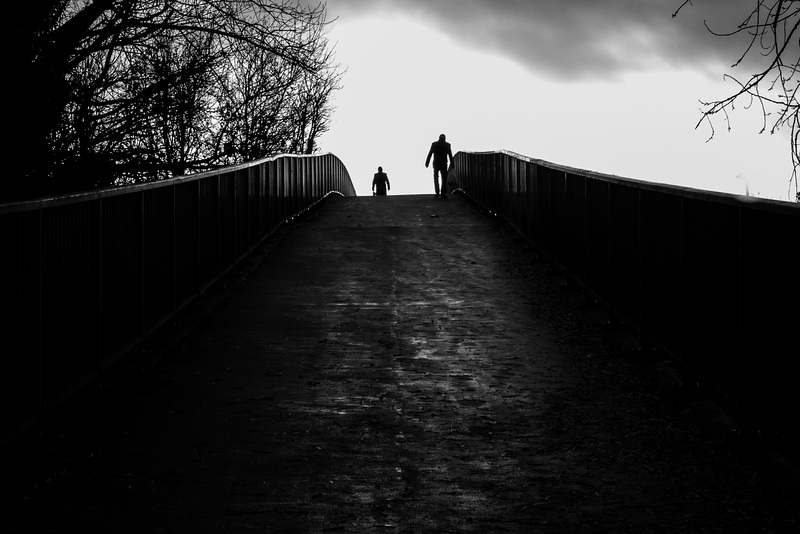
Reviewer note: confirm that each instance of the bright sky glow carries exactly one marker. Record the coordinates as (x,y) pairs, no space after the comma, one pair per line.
(407,83)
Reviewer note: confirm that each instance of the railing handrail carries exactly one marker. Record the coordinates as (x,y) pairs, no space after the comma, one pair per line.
(102,192)
(704,276)
(684,191)
(88,276)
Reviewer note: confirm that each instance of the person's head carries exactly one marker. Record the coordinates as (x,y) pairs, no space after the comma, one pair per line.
(380,169)
(441,137)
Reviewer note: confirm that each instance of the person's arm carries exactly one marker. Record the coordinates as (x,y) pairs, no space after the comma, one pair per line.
(428,159)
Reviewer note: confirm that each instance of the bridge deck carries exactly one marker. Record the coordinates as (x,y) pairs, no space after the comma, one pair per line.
(398,364)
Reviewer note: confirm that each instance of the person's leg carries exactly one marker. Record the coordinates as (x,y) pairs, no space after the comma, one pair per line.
(444,183)
(436,180)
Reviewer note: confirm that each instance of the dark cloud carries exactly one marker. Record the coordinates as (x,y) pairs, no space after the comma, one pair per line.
(578,39)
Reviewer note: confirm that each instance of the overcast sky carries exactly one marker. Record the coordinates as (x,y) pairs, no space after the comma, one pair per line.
(606,85)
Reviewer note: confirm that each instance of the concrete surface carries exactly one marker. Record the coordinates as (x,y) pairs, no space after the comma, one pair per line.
(395,364)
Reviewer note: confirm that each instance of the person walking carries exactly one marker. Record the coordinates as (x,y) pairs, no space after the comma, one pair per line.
(380,183)
(441,151)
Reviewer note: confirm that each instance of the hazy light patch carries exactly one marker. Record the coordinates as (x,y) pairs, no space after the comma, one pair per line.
(399,94)
(407,83)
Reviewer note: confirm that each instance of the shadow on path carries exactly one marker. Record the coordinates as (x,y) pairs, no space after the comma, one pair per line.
(399,364)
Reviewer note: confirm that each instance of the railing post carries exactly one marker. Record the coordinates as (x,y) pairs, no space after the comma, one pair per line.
(173,191)
(639,266)
(40,308)
(100,281)
(142,270)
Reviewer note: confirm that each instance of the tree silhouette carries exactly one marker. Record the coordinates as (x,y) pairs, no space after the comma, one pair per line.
(121,91)
(772,29)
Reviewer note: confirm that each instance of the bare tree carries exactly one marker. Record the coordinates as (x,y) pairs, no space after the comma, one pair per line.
(311,109)
(175,122)
(772,29)
(32,93)
(254,94)
(141,89)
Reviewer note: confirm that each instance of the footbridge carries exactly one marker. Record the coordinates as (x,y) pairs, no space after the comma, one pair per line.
(549,349)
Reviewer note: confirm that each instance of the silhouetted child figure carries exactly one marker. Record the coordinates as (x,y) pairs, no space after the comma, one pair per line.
(380,183)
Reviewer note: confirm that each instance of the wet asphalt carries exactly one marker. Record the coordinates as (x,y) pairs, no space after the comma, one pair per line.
(395,364)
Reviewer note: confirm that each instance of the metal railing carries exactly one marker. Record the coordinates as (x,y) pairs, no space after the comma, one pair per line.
(85,278)
(710,277)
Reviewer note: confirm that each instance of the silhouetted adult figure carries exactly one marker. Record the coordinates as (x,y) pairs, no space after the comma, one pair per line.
(440,150)
(380,183)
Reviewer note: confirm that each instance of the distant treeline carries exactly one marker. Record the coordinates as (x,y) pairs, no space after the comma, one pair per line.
(103,92)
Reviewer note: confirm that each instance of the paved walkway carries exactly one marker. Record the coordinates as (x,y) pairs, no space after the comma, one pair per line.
(397,364)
